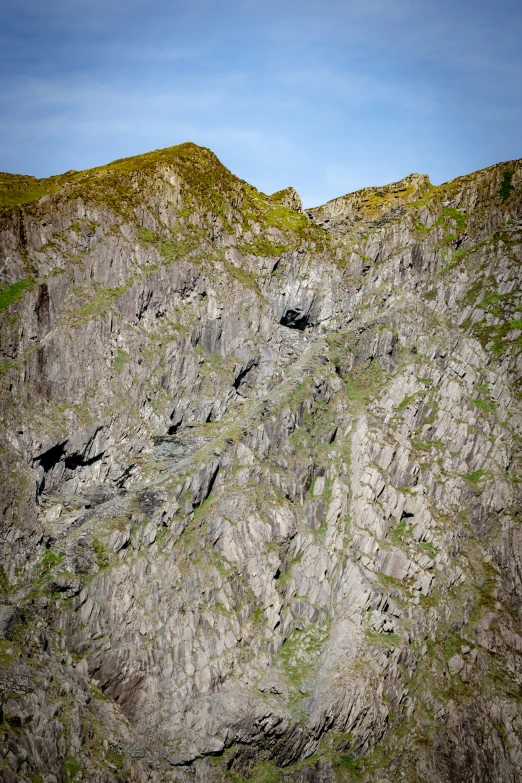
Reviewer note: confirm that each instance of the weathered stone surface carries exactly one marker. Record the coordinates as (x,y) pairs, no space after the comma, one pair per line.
(262,480)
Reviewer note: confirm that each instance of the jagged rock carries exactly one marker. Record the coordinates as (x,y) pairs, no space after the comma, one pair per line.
(289,198)
(261,479)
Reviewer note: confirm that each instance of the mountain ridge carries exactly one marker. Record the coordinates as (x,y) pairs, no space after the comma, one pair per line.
(261,497)
(8,181)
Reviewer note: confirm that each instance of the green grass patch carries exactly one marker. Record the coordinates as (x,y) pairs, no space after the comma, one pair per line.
(12,293)
(362,385)
(97,305)
(426,445)
(475,477)
(421,228)
(344,764)
(382,639)
(402,532)
(455,214)
(147,236)
(406,401)
(261,246)
(488,406)
(51,558)
(18,190)
(427,548)
(103,554)
(172,248)
(265,772)
(485,590)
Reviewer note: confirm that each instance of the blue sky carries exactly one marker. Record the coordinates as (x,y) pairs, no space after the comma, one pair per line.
(326,96)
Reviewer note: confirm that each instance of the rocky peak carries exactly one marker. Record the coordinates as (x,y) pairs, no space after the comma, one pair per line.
(372,206)
(288,197)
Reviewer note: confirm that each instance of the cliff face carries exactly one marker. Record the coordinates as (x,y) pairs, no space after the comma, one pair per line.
(260,478)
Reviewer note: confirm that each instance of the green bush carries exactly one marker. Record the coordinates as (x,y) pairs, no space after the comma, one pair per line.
(506,187)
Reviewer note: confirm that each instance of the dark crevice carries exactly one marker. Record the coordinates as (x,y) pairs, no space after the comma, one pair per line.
(243,373)
(75,461)
(50,458)
(294,319)
(278,261)
(43,306)
(120,481)
(211,482)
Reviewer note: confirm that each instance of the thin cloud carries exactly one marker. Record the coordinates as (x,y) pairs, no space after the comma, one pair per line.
(328,96)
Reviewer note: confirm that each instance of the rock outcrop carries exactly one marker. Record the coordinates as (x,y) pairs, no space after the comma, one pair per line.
(261,500)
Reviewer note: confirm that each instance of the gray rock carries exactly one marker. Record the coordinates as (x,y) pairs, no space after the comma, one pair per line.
(259,479)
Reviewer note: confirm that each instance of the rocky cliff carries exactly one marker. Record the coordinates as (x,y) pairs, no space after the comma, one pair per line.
(261,501)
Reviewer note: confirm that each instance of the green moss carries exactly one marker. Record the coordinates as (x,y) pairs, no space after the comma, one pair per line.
(486,405)
(99,304)
(402,532)
(147,236)
(475,477)
(406,401)
(242,276)
(362,385)
(455,214)
(71,767)
(103,555)
(261,246)
(12,293)
(382,639)
(427,548)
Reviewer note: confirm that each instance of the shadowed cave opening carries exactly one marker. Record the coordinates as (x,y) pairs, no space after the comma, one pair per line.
(51,457)
(294,319)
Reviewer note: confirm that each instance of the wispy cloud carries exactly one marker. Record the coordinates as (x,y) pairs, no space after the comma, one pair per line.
(328,96)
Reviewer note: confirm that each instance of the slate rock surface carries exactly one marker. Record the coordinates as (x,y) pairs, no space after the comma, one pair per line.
(261,500)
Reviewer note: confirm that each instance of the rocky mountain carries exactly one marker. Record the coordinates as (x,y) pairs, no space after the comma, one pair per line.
(261,500)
